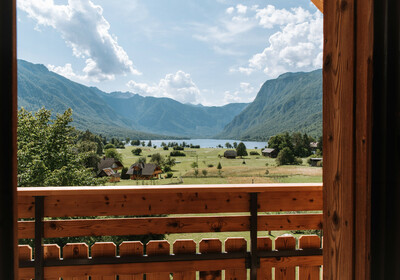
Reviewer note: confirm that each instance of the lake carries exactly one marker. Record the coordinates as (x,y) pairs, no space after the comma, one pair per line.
(210,143)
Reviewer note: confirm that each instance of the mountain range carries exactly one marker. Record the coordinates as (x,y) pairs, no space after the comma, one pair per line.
(292,102)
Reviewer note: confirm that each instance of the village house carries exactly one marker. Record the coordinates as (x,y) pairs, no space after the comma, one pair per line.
(230,154)
(315,161)
(109,167)
(268,152)
(144,171)
(109,172)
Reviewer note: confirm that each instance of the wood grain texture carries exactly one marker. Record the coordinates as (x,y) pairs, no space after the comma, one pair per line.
(309,272)
(212,245)
(71,251)
(167,225)
(131,248)
(235,244)
(188,247)
(103,249)
(363,137)
(157,248)
(25,254)
(264,244)
(51,252)
(338,138)
(319,4)
(283,243)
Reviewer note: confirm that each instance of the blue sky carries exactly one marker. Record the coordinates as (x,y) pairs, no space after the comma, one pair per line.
(211,52)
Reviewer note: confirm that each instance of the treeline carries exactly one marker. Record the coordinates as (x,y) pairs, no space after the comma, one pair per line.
(290,148)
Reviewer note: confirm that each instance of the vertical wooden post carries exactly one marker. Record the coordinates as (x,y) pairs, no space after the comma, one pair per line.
(265,270)
(103,249)
(24,254)
(184,247)
(212,245)
(76,251)
(131,248)
(285,243)
(309,272)
(237,244)
(8,125)
(157,248)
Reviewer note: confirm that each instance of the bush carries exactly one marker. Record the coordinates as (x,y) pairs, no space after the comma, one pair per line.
(165,148)
(210,165)
(109,146)
(169,175)
(137,151)
(254,153)
(124,175)
(167,168)
(178,148)
(205,172)
(177,154)
(286,157)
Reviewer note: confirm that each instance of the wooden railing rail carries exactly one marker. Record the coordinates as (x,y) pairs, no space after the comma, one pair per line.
(216,208)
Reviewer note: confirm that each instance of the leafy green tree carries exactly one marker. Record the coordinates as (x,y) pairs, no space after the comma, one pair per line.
(235,145)
(219,166)
(137,151)
(47,154)
(141,160)
(157,159)
(135,142)
(194,164)
(241,150)
(280,141)
(149,144)
(169,161)
(196,172)
(287,157)
(109,146)
(228,145)
(205,172)
(113,153)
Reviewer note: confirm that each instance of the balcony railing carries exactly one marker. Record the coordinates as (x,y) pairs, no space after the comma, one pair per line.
(211,208)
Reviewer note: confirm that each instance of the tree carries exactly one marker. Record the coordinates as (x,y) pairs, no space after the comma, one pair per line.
(241,150)
(235,145)
(149,144)
(194,164)
(196,172)
(47,154)
(219,166)
(137,151)
(141,160)
(157,159)
(286,157)
(113,153)
(280,141)
(228,145)
(109,146)
(135,142)
(204,171)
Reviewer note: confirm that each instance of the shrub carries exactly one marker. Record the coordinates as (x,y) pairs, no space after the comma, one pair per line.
(137,151)
(178,148)
(123,173)
(254,153)
(169,175)
(109,146)
(165,148)
(177,154)
(286,157)
(167,168)
(204,172)
(210,165)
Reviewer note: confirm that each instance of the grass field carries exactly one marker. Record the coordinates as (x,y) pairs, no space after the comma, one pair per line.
(250,169)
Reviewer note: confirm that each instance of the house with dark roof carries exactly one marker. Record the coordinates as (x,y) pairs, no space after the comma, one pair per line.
(108,172)
(268,152)
(144,171)
(107,164)
(230,154)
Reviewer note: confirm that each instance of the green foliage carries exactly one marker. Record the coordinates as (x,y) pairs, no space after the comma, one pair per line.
(141,160)
(194,164)
(219,167)
(177,154)
(135,142)
(254,153)
(205,172)
(165,148)
(169,175)
(178,148)
(149,144)
(123,173)
(241,150)
(228,145)
(47,155)
(137,151)
(286,157)
(113,153)
(157,159)
(109,146)
(169,161)
(196,172)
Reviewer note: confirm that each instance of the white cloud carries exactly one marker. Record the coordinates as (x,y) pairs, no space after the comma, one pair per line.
(296,46)
(241,9)
(178,86)
(86,31)
(230,10)
(245,93)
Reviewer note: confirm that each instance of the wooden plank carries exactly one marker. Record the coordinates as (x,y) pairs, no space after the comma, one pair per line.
(25,254)
(157,248)
(338,138)
(309,272)
(73,251)
(300,199)
(51,252)
(188,247)
(265,270)
(131,248)
(235,244)
(167,225)
(292,261)
(104,249)
(319,4)
(212,245)
(167,189)
(283,243)
(179,266)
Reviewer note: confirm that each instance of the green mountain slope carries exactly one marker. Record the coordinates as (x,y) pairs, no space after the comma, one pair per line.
(167,116)
(118,114)
(292,102)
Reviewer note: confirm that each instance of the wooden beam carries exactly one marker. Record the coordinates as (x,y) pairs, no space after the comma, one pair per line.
(8,116)
(319,4)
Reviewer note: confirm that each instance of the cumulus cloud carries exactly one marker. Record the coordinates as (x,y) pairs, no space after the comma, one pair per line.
(297,45)
(178,86)
(84,29)
(241,9)
(245,93)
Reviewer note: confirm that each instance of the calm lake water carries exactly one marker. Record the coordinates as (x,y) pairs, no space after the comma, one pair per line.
(210,143)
